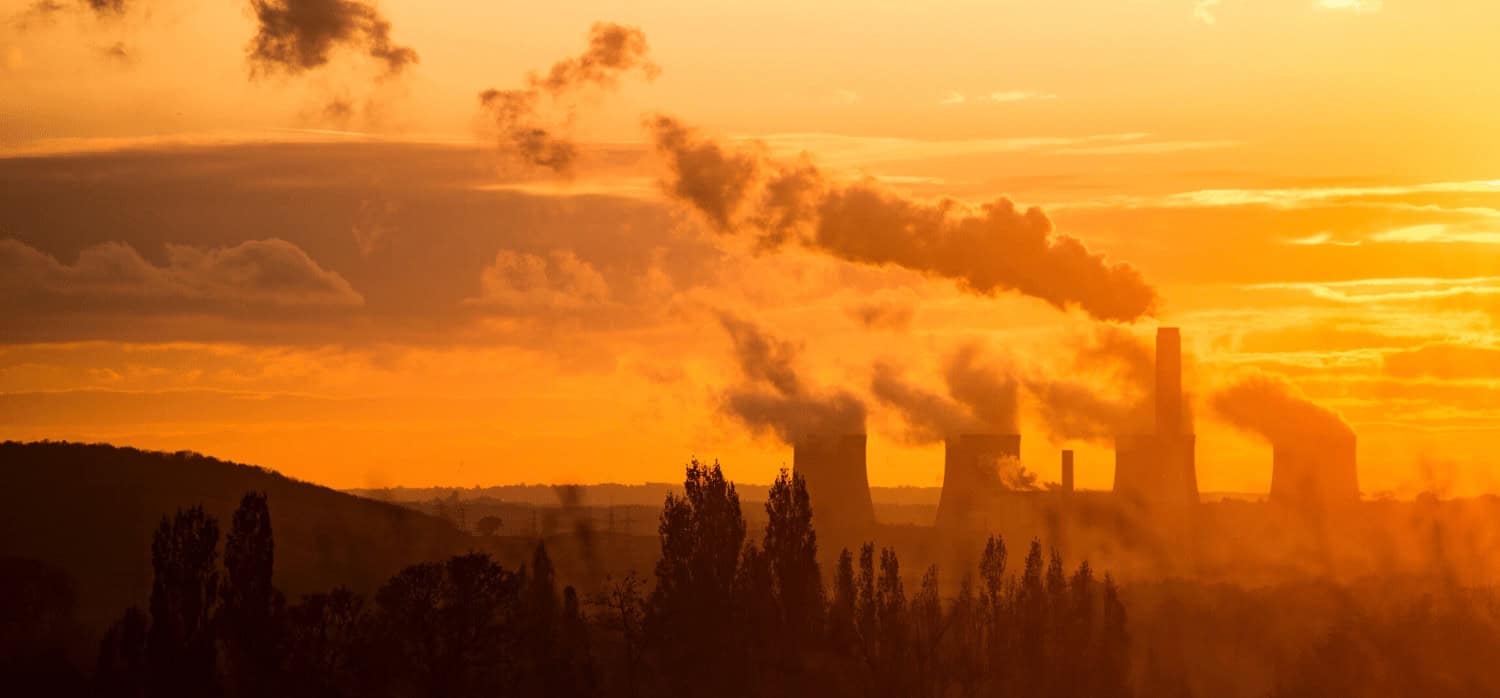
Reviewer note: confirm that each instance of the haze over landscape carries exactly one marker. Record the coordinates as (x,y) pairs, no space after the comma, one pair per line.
(579,349)
(346,268)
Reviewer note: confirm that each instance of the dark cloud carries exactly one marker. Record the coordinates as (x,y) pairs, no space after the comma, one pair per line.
(114,275)
(1271,408)
(992,249)
(518,114)
(556,281)
(406,225)
(772,397)
(295,36)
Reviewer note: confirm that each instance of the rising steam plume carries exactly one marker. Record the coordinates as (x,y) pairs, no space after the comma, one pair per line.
(980,399)
(613,51)
(295,36)
(772,396)
(1117,402)
(1272,409)
(988,250)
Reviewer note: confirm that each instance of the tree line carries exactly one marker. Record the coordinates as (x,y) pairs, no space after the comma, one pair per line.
(724,615)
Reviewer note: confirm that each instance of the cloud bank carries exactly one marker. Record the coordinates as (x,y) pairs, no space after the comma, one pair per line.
(115,276)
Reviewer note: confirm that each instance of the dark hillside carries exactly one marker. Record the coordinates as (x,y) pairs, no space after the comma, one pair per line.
(90,510)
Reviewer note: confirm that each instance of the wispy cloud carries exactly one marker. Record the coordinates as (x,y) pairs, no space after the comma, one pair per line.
(856,151)
(955,98)
(1204,11)
(1323,238)
(1431,233)
(1437,232)
(1293,198)
(1391,289)
(1014,96)
(1356,6)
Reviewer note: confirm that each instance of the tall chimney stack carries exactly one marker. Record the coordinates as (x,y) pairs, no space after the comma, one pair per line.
(1067,471)
(1168,381)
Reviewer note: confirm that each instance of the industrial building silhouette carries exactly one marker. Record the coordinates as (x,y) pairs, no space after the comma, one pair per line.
(1152,471)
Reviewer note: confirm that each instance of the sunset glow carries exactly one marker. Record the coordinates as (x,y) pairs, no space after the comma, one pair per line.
(350,266)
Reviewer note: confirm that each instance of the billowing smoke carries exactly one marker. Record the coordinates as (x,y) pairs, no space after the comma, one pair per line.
(773,397)
(295,36)
(1274,410)
(45,11)
(985,388)
(928,416)
(981,398)
(992,249)
(106,7)
(1117,400)
(613,51)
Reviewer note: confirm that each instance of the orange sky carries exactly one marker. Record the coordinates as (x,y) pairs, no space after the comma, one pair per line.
(198,256)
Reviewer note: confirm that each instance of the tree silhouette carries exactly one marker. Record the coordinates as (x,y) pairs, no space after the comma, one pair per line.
(121,669)
(841,611)
(727,617)
(488,525)
(448,628)
(692,608)
(791,545)
(180,651)
(624,614)
(326,639)
(249,613)
(1113,654)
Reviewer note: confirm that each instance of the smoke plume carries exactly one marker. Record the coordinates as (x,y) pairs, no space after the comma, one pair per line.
(295,36)
(1274,410)
(773,397)
(1116,399)
(106,7)
(928,416)
(987,390)
(45,11)
(992,249)
(980,398)
(613,51)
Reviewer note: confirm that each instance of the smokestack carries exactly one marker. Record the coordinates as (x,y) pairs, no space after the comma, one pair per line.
(971,476)
(838,485)
(1161,467)
(1168,381)
(1067,471)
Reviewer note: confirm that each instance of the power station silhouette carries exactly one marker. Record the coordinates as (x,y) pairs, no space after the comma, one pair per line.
(1152,471)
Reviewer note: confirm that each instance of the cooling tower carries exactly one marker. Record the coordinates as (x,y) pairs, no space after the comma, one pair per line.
(1318,473)
(971,476)
(1161,468)
(833,466)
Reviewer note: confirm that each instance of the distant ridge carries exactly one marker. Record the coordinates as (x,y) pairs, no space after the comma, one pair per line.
(91,509)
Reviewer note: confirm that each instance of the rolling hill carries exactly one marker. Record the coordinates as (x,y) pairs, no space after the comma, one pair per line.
(90,511)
